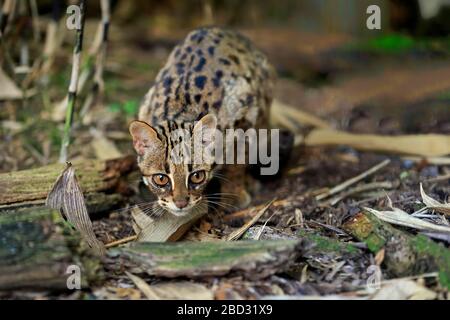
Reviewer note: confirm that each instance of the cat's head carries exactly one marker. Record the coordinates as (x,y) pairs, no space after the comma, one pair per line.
(177,182)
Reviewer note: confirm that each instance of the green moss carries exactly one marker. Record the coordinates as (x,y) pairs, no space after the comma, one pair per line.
(427,247)
(327,244)
(195,256)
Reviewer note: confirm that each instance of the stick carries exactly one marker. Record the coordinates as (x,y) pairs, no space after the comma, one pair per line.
(98,49)
(7,8)
(120,241)
(71,97)
(239,232)
(363,188)
(353,180)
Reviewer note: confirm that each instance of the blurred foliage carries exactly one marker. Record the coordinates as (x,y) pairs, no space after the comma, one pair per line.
(128,108)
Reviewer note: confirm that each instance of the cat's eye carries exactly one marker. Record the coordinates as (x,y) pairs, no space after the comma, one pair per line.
(161,180)
(197,177)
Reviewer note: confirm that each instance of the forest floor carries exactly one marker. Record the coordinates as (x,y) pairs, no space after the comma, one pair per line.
(390,85)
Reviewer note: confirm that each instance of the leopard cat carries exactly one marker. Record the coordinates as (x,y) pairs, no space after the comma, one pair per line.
(214,79)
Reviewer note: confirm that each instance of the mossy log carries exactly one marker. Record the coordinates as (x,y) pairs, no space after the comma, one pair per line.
(250,259)
(36,248)
(29,188)
(405,254)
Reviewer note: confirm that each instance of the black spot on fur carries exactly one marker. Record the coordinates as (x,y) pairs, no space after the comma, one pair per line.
(211,50)
(234,59)
(180,67)
(218,76)
(217,104)
(224,61)
(197,98)
(200,65)
(167,82)
(187,98)
(200,82)
(189,49)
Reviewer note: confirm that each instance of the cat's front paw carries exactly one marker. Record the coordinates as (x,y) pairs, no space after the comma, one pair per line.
(244,199)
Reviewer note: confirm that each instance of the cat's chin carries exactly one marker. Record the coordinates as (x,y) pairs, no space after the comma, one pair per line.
(180,212)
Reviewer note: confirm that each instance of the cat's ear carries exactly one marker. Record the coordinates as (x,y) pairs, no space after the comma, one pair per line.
(206,128)
(144,137)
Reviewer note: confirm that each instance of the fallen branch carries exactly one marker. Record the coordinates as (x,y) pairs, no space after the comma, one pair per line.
(405,255)
(251,259)
(37,247)
(33,185)
(425,145)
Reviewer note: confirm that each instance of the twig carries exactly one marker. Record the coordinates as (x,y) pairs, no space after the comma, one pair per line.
(98,49)
(7,9)
(258,236)
(121,241)
(71,97)
(239,232)
(353,180)
(35,18)
(362,188)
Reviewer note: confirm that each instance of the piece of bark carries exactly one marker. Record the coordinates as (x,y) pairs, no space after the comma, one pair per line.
(36,249)
(34,184)
(405,255)
(251,259)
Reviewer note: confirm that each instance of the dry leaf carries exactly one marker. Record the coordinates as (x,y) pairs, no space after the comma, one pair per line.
(427,145)
(402,289)
(434,204)
(400,217)
(379,257)
(8,89)
(181,290)
(66,197)
(104,148)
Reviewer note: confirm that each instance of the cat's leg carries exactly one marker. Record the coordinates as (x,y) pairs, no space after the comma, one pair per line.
(234,185)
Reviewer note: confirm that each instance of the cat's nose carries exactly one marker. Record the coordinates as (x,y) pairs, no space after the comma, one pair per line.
(181,203)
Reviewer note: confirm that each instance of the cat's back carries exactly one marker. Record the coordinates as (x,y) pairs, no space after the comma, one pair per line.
(216,71)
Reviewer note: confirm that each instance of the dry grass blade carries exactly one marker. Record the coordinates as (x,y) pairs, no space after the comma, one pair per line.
(235,235)
(67,197)
(143,286)
(434,204)
(401,218)
(353,180)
